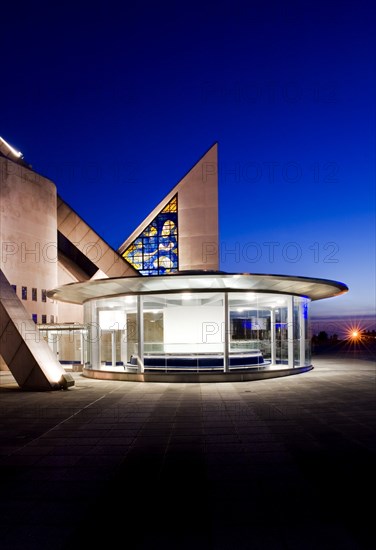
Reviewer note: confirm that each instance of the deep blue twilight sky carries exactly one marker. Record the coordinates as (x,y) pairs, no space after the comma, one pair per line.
(116,102)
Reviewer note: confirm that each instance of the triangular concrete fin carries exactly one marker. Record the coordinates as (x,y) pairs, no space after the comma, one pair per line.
(197,197)
(25,352)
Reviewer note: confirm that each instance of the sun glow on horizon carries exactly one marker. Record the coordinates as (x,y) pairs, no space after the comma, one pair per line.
(354,333)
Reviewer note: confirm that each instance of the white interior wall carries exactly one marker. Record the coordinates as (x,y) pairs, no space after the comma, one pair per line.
(190,329)
(112,319)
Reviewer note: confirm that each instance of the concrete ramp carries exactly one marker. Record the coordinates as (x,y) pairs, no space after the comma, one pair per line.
(23,349)
(73,228)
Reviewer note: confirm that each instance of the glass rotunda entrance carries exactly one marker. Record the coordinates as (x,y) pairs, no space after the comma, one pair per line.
(196,331)
(197,322)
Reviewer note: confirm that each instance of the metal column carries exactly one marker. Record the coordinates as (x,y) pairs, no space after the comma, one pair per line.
(82,344)
(226,335)
(94,335)
(302,332)
(140,334)
(272,337)
(113,348)
(290,331)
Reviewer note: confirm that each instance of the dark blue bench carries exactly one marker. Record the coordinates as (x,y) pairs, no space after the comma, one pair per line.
(199,361)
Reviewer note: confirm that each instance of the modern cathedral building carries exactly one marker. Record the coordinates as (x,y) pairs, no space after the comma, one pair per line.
(156,309)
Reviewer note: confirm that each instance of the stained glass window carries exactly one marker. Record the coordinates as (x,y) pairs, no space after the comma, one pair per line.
(155,251)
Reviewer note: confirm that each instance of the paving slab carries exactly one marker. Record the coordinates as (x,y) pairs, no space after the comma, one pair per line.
(283,463)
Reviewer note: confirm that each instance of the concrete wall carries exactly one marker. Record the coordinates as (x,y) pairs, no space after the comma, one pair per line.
(22,348)
(30,215)
(197,215)
(28,234)
(67,274)
(3,365)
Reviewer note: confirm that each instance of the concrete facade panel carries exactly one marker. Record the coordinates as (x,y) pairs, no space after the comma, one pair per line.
(10,339)
(108,257)
(70,222)
(63,210)
(23,348)
(22,364)
(118,270)
(36,379)
(28,238)
(78,233)
(197,212)
(69,313)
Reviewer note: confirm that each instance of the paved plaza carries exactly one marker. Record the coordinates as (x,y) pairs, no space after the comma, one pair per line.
(273,464)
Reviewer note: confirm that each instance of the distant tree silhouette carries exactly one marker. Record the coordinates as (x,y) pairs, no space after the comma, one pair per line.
(322,337)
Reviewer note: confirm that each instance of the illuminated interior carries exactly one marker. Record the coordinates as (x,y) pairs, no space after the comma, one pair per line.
(155,250)
(202,330)
(249,325)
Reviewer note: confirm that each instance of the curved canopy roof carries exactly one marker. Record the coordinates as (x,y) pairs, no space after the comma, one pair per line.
(315,289)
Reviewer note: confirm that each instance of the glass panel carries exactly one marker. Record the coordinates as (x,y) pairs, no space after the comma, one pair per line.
(296,330)
(281,334)
(301,344)
(155,251)
(92,335)
(70,346)
(106,347)
(110,335)
(65,343)
(130,339)
(186,331)
(307,333)
(250,328)
(183,332)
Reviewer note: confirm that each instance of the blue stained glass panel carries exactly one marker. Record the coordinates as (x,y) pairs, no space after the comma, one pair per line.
(155,250)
